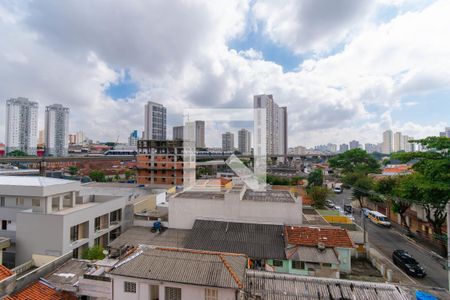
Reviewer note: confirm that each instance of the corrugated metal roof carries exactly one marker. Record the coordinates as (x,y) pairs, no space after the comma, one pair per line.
(187,266)
(312,254)
(276,286)
(32,181)
(255,240)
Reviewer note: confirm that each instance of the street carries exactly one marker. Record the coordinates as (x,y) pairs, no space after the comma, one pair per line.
(387,240)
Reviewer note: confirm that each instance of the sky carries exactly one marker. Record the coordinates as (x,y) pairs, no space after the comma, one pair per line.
(346,69)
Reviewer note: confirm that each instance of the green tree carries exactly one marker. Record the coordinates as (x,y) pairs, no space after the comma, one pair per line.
(315,178)
(17,153)
(73,170)
(128,174)
(349,179)
(97,175)
(362,188)
(432,181)
(93,253)
(318,194)
(355,160)
(402,193)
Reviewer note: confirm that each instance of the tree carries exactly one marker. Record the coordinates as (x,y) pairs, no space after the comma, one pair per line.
(403,191)
(349,179)
(97,175)
(128,174)
(73,170)
(362,188)
(315,178)
(17,153)
(318,194)
(432,181)
(93,253)
(355,160)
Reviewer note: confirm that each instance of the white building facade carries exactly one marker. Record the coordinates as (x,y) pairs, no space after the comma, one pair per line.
(244,141)
(155,121)
(228,141)
(386,147)
(21,125)
(56,130)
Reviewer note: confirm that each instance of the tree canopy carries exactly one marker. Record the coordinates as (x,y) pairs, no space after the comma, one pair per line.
(315,178)
(355,160)
(98,176)
(318,194)
(17,153)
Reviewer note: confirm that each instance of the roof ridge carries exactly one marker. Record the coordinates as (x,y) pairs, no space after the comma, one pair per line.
(199,251)
(231,271)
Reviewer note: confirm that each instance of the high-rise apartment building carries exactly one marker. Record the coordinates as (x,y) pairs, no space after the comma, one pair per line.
(80,138)
(244,141)
(41,137)
(386,147)
(446,132)
(343,147)
(177,132)
(200,134)
(370,148)
(276,124)
(155,121)
(56,130)
(21,125)
(408,145)
(398,142)
(228,141)
(354,144)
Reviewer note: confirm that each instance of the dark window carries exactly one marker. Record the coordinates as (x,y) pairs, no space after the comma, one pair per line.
(74,233)
(299,265)
(172,293)
(4,224)
(277,263)
(129,287)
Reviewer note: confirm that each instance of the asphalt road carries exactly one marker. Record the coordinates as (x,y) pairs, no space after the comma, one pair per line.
(387,240)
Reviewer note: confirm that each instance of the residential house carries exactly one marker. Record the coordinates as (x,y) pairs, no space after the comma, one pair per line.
(175,274)
(315,251)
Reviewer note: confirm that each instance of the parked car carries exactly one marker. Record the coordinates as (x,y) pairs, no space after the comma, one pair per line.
(329,204)
(379,219)
(348,209)
(366,211)
(407,263)
(338,189)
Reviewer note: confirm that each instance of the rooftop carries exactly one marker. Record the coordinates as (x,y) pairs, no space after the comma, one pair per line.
(254,240)
(41,291)
(67,275)
(205,268)
(311,236)
(138,235)
(312,254)
(278,286)
(36,181)
(269,196)
(5,272)
(201,195)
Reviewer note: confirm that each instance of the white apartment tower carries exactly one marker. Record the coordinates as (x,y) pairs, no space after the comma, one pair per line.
(155,121)
(177,132)
(21,125)
(56,130)
(398,142)
(276,124)
(244,141)
(386,147)
(228,141)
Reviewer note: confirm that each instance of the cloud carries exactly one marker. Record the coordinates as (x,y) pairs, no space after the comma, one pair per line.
(178,54)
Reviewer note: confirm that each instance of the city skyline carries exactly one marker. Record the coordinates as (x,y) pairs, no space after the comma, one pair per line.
(232,51)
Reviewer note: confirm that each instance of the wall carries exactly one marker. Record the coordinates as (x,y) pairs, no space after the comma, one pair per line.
(184,211)
(344,255)
(188,292)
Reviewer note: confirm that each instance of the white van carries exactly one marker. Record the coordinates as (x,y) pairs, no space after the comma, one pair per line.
(379,219)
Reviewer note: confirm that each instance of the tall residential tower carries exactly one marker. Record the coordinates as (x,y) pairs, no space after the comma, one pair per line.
(386,147)
(56,130)
(21,125)
(244,141)
(155,122)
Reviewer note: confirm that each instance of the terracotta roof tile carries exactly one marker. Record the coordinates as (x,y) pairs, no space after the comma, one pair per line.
(5,272)
(40,291)
(311,236)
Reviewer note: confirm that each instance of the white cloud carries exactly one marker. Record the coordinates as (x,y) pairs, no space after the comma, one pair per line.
(68,52)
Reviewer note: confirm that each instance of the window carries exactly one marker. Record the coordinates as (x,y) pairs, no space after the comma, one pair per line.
(326,265)
(97,224)
(129,287)
(2,201)
(172,293)
(211,294)
(74,233)
(277,263)
(36,202)
(19,201)
(299,265)
(4,224)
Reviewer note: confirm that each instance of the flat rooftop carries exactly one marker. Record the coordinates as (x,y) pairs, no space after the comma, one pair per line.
(269,196)
(35,181)
(202,195)
(138,235)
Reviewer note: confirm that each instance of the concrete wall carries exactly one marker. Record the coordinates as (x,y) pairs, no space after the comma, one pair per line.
(184,211)
(344,255)
(188,292)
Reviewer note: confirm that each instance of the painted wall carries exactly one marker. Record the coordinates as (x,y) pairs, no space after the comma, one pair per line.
(344,255)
